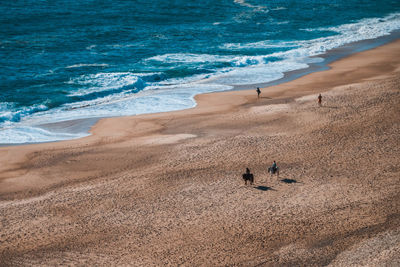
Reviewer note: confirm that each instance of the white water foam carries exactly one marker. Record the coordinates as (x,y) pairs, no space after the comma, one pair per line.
(190,58)
(254,7)
(366,28)
(105,81)
(9,113)
(90,47)
(257,69)
(152,100)
(87,65)
(260,45)
(347,33)
(278,8)
(260,73)
(27,134)
(109,81)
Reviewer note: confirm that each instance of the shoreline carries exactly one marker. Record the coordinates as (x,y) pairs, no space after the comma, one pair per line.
(84,125)
(329,57)
(166,188)
(303,86)
(122,129)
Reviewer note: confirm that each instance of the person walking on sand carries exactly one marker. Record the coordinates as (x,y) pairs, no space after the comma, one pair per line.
(258,92)
(320,100)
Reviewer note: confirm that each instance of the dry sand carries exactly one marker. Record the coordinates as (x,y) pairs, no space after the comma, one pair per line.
(166,189)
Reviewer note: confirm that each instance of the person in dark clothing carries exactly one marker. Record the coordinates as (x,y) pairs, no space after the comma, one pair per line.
(258,92)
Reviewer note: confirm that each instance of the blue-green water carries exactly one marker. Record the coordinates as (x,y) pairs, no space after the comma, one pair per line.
(63,60)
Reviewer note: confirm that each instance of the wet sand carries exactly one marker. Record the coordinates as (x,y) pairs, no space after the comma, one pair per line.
(166,189)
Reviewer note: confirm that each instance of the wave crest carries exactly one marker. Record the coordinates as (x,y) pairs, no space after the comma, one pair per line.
(103,65)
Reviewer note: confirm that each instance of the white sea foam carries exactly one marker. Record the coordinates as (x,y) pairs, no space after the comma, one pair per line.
(258,69)
(105,81)
(9,113)
(6,106)
(367,28)
(189,58)
(261,73)
(153,100)
(90,47)
(260,45)
(182,81)
(27,134)
(281,22)
(278,8)
(87,65)
(254,7)
(122,45)
(347,33)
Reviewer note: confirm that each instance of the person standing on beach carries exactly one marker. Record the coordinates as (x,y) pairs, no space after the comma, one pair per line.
(320,100)
(258,92)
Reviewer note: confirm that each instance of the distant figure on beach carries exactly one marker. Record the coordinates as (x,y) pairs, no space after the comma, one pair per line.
(258,92)
(274,169)
(320,100)
(248,176)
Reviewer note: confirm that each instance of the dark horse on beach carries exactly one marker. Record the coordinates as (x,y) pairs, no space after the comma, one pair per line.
(248,177)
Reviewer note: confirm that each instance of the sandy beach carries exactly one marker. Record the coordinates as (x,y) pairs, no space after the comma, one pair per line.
(166,189)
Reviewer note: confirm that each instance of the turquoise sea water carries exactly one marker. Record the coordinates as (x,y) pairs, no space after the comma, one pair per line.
(65,60)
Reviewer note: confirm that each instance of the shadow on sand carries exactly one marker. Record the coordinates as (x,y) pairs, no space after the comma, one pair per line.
(264,188)
(289,181)
(331,107)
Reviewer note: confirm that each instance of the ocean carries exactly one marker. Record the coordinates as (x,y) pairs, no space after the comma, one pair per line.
(72,60)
